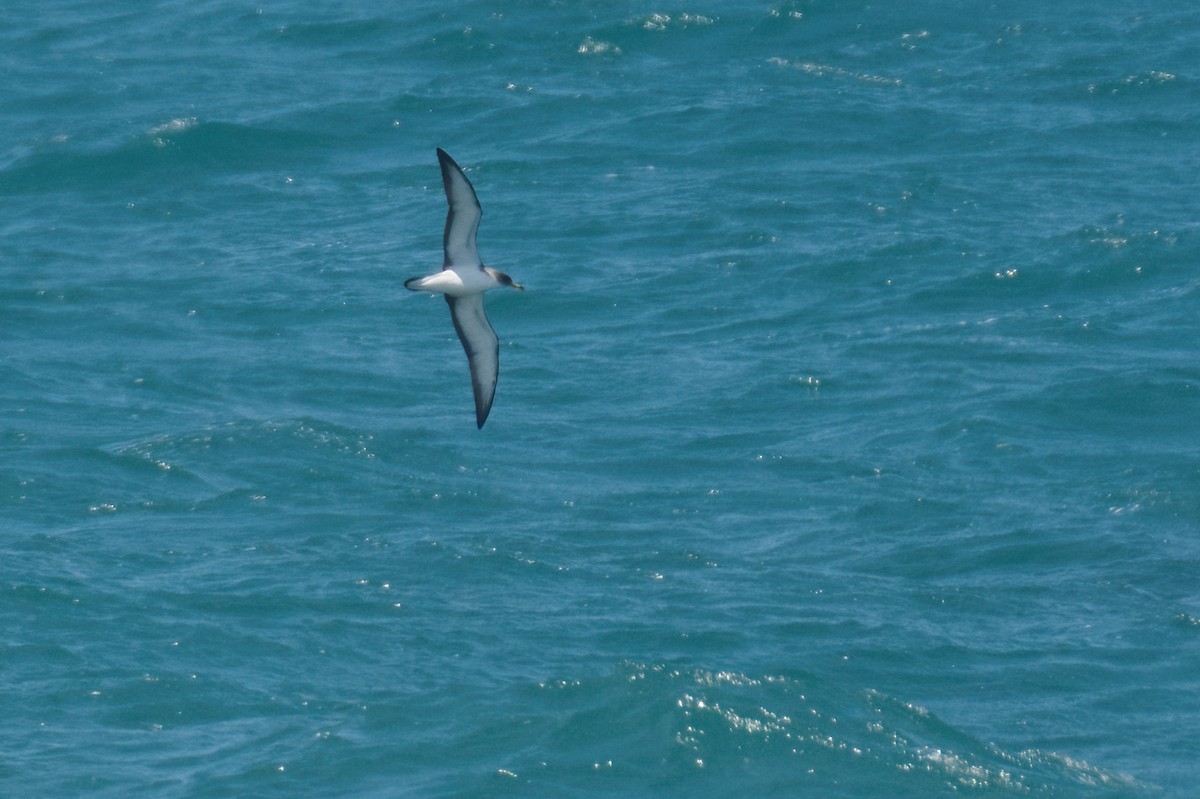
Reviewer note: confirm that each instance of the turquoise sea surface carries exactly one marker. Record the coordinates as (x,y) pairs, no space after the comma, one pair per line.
(846,443)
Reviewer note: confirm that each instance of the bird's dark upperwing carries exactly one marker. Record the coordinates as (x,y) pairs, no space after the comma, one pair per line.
(462,219)
(482,347)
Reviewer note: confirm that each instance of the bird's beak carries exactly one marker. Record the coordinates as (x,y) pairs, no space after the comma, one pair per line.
(518,286)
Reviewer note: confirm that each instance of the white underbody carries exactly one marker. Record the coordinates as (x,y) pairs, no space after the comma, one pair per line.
(456,281)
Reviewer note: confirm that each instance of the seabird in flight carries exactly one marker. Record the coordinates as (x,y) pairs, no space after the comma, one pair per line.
(463,280)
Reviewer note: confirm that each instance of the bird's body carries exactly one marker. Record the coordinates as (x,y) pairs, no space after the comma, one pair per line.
(463,280)
(456,282)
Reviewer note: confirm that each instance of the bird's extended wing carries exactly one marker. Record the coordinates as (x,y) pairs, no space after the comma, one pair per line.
(482,347)
(462,219)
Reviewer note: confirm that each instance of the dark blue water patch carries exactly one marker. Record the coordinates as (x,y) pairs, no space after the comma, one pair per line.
(171,157)
(1141,406)
(370,33)
(692,727)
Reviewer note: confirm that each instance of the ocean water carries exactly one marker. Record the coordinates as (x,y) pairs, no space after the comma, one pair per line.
(846,439)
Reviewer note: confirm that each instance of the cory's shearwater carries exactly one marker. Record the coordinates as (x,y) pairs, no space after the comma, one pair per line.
(463,280)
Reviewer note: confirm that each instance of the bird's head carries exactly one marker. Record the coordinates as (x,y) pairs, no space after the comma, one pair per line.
(505,280)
